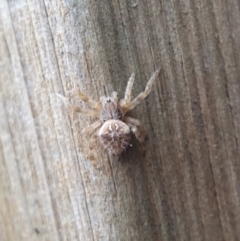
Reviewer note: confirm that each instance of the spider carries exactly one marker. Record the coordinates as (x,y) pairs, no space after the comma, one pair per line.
(113,128)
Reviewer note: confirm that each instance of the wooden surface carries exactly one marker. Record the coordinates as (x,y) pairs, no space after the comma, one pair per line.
(187,187)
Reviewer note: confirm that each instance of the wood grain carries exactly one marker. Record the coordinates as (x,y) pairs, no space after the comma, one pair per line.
(186,187)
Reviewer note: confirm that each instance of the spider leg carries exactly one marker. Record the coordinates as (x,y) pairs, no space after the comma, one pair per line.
(127,97)
(92,127)
(136,128)
(93,140)
(94,104)
(88,112)
(146,92)
(92,145)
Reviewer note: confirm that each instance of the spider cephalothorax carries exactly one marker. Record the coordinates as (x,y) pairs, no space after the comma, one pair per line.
(113,128)
(111,110)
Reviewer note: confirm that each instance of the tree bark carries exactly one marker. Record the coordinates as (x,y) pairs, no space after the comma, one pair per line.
(186,186)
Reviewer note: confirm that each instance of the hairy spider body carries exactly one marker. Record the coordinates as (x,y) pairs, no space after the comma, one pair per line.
(115,136)
(115,128)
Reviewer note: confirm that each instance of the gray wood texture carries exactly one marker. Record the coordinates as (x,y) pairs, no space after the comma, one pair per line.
(186,187)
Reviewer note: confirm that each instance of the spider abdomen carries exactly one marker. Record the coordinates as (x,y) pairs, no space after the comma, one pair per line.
(115,136)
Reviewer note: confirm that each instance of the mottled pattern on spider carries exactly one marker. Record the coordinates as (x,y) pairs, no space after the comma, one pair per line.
(113,128)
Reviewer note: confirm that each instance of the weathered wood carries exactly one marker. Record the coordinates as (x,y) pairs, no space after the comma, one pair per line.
(187,187)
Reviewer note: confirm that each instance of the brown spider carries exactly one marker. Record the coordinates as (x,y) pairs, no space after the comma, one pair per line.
(114,128)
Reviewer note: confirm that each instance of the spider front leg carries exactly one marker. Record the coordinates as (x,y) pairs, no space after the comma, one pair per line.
(137,129)
(92,103)
(146,92)
(128,94)
(88,112)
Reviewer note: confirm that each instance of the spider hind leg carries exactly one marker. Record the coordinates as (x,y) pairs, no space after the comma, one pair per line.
(138,130)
